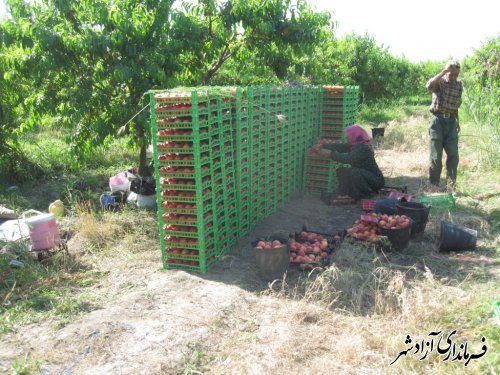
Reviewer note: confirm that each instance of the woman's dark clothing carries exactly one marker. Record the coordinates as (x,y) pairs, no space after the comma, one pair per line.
(363,178)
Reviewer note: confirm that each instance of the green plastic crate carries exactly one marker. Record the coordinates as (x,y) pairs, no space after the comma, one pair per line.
(440,202)
(496,309)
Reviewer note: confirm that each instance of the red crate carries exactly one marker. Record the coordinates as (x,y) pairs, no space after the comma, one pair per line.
(367,204)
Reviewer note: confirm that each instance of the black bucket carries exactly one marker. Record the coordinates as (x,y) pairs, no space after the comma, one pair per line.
(456,237)
(272,263)
(418,212)
(400,237)
(378,132)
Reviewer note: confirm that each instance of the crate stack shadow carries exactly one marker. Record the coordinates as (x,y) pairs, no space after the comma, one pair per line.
(225,158)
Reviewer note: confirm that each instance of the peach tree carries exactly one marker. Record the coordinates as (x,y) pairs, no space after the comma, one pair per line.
(87,64)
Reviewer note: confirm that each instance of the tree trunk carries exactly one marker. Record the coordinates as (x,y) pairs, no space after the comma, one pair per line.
(143,167)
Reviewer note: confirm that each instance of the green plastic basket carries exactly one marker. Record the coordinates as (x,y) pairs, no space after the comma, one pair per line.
(496,309)
(440,202)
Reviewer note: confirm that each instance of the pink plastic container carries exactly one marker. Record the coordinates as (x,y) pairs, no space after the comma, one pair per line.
(43,230)
(119,182)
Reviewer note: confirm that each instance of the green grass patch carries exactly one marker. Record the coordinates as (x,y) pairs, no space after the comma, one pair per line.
(379,113)
(50,150)
(60,174)
(51,287)
(61,303)
(25,366)
(41,305)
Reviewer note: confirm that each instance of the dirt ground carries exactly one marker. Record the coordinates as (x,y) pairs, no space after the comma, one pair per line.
(152,321)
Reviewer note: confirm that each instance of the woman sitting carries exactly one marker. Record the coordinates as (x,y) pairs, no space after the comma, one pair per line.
(364,178)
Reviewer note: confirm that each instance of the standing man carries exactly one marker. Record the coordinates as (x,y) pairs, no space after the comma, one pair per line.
(446,98)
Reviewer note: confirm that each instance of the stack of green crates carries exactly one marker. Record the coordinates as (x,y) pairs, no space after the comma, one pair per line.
(194,177)
(319,174)
(339,105)
(259,179)
(226,158)
(242,157)
(226,186)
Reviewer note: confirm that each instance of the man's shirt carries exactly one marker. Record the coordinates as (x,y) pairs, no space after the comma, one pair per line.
(446,96)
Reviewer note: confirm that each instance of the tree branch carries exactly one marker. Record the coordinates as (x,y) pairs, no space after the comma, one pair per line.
(225,55)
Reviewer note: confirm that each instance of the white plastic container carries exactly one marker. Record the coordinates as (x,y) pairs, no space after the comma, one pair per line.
(146,201)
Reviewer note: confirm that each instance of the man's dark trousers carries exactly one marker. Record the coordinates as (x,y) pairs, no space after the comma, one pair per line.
(443,135)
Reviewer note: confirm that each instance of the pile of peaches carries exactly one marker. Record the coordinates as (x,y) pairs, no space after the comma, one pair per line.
(310,247)
(368,227)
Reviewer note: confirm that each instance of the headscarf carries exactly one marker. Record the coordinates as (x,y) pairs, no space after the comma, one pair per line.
(357,135)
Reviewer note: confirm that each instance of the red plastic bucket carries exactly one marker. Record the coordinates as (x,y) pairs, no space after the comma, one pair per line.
(43,230)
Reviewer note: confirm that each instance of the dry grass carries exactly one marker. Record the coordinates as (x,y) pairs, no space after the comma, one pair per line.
(97,233)
(310,335)
(357,284)
(362,311)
